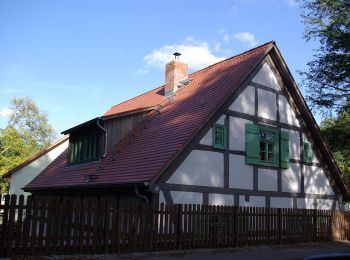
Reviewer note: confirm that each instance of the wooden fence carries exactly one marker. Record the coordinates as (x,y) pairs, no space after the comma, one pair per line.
(52,225)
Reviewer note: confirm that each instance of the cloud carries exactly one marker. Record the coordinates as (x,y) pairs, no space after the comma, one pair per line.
(141,72)
(197,54)
(6,112)
(246,38)
(226,38)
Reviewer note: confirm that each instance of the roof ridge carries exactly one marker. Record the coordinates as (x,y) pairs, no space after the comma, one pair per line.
(235,56)
(144,93)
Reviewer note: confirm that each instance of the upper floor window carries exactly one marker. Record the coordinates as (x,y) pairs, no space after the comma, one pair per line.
(219,136)
(84,146)
(266,146)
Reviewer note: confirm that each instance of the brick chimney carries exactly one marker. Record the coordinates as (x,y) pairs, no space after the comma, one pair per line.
(175,71)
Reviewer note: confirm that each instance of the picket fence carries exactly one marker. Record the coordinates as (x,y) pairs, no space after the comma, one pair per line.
(75,225)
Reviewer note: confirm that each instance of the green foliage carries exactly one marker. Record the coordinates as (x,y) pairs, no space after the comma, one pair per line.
(336,131)
(328,77)
(27,132)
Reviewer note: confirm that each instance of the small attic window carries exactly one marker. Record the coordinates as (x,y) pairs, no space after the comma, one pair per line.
(84,146)
(219,136)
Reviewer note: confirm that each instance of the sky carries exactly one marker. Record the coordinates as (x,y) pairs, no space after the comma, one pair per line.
(78,58)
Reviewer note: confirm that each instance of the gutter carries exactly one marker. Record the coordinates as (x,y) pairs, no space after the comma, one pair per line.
(106,136)
(137,193)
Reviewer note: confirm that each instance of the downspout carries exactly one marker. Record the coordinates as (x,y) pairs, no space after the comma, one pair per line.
(137,193)
(105,131)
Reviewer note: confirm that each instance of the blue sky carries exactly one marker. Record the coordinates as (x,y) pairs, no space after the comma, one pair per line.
(78,58)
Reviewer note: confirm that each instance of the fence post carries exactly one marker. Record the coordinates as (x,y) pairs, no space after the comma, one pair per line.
(235,226)
(279,225)
(4,227)
(314,222)
(179,226)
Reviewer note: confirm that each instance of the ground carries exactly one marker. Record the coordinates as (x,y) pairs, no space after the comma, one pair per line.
(297,251)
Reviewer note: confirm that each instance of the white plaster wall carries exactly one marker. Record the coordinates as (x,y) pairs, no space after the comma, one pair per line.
(241,174)
(294,144)
(221,120)
(202,168)
(305,203)
(22,177)
(208,138)
(287,114)
(314,157)
(267,179)
(244,103)
(266,77)
(237,133)
(276,202)
(183,197)
(324,204)
(161,197)
(267,104)
(291,178)
(315,181)
(221,199)
(254,201)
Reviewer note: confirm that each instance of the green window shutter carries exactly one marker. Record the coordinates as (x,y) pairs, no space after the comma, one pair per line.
(307,153)
(284,142)
(252,144)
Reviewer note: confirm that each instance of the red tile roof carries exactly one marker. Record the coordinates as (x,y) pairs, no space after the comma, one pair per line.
(155,142)
(149,99)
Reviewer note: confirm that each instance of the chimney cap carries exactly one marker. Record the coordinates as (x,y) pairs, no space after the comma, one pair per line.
(177,55)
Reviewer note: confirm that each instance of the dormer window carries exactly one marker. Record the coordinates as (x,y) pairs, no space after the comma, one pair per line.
(86,142)
(84,146)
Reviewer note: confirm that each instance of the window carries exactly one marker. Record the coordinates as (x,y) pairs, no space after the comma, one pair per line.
(307,153)
(83,146)
(219,136)
(266,146)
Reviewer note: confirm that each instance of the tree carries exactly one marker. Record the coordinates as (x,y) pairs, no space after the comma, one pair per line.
(336,131)
(328,77)
(27,132)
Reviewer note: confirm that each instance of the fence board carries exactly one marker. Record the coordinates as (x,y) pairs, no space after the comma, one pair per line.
(88,225)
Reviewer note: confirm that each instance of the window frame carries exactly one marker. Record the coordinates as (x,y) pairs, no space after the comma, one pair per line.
(77,141)
(222,145)
(276,144)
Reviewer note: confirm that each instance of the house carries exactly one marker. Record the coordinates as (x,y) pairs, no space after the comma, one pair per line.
(235,133)
(24,173)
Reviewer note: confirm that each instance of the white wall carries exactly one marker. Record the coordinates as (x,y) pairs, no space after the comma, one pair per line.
(294,144)
(253,201)
(287,114)
(23,176)
(202,168)
(183,197)
(276,202)
(267,179)
(267,104)
(244,103)
(266,77)
(221,199)
(237,133)
(241,174)
(305,203)
(291,178)
(316,182)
